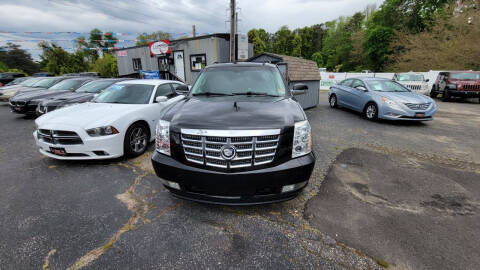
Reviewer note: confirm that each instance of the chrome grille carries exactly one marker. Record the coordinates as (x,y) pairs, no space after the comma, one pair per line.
(418,107)
(60,137)
(253,147)
(414,87)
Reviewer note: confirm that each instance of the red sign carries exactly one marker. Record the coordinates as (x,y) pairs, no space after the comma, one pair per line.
(331,76)
(122,53)
(159,47)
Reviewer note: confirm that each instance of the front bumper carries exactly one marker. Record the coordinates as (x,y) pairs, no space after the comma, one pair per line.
(239,188)
(464,94)
(29,109)
(105,147)
(405,114)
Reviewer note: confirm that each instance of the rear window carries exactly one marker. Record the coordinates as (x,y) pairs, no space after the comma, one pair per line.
(46,83)
(94,87)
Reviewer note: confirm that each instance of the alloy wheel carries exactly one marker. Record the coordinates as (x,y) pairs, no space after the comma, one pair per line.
(138,140)
(371,111)
(333,101)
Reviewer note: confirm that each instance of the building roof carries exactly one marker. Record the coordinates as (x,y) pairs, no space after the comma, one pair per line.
(299,69)
(219,35)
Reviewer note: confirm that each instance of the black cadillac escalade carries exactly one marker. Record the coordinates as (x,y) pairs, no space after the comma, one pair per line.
(239,137)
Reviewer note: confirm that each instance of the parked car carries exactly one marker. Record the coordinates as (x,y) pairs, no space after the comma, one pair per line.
(17,81)
(83,94)
(413,81)
(7,77)
(464,84)
(27,103)
(119,121)
(43,74)
(9,91)
(238,138)
(382,98)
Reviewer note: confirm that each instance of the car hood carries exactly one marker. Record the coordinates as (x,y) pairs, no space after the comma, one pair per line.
(220,113)
(70,97)
(406,97)
(87,115)
(39,94)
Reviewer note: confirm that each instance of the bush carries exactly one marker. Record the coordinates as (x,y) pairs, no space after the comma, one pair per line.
(106,66)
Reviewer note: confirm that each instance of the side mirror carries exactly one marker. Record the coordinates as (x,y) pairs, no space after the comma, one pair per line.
(361,88)
(182,89)
(427,80)
(161,99)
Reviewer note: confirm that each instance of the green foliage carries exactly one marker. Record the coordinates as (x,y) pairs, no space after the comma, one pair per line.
(3,67)
(377,46)
(96,39)
(106,66)
(361,41)
(145,38)
(15,58)
(58,61)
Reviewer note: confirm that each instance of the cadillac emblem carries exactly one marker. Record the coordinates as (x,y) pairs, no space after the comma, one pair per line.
(228,152)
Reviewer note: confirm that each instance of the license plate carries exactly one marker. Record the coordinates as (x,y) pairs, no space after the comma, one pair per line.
(17,109)
(420,115)
(58,151)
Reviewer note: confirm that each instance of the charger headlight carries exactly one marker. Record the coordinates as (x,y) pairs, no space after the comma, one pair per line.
(102,131)
(302,139)
(162,137)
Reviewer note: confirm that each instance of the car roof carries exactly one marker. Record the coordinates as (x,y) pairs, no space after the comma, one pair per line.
(148,82)
(79,79)
(368,79)
(241,64)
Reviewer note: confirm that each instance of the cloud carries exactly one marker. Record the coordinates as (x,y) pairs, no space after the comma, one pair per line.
(171,16)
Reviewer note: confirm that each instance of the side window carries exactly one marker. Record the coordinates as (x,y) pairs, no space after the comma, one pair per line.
(164,90)
(347,82)
(357,83)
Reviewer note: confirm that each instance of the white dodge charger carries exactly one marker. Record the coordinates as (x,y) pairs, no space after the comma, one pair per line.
(119,121)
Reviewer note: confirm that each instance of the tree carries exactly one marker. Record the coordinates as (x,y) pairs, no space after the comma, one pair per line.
(58,61)
(106,66)
(297,46)
(283,41)
(96,40)
(145,38)
(377,46)
(3,67)
(15,58)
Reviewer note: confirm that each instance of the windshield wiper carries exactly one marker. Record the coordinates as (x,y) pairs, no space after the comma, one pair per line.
(253,94)
(211,94)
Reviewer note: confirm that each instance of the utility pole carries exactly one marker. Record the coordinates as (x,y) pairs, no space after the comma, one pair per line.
(232,31)
(193,31)
(236,22)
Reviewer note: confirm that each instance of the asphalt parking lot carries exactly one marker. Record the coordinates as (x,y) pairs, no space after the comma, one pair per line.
(358,212)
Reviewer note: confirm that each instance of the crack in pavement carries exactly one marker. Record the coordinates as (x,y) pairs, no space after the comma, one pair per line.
(137,206)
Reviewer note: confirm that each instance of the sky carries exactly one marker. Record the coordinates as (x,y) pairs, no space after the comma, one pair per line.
(129,17)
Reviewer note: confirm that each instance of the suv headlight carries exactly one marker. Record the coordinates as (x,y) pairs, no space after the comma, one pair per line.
(452,86)
(302,139)
(102,131)
(162,137)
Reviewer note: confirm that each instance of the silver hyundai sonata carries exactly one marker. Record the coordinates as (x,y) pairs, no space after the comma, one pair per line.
(382,98)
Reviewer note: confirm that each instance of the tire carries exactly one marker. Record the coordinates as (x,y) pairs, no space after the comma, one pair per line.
(136,140)
(446,96)
(333,101)
(371,111)
(433,93)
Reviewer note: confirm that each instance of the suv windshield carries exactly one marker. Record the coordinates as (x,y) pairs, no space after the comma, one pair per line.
(410,77)
(238,80)
(46,83)
(465,76)
(385,86)
(126,94)
(69,85)
(94,87)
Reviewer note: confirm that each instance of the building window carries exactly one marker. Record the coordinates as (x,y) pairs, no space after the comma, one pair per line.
(198,62)
(137,64)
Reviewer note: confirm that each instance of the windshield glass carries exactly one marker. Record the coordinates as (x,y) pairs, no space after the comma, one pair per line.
(240,80)
(465,76)
(126,94)
(94,87)
(69,85)
(30,82)
(385,86)
(17,81)
(46,83)
(410,77)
